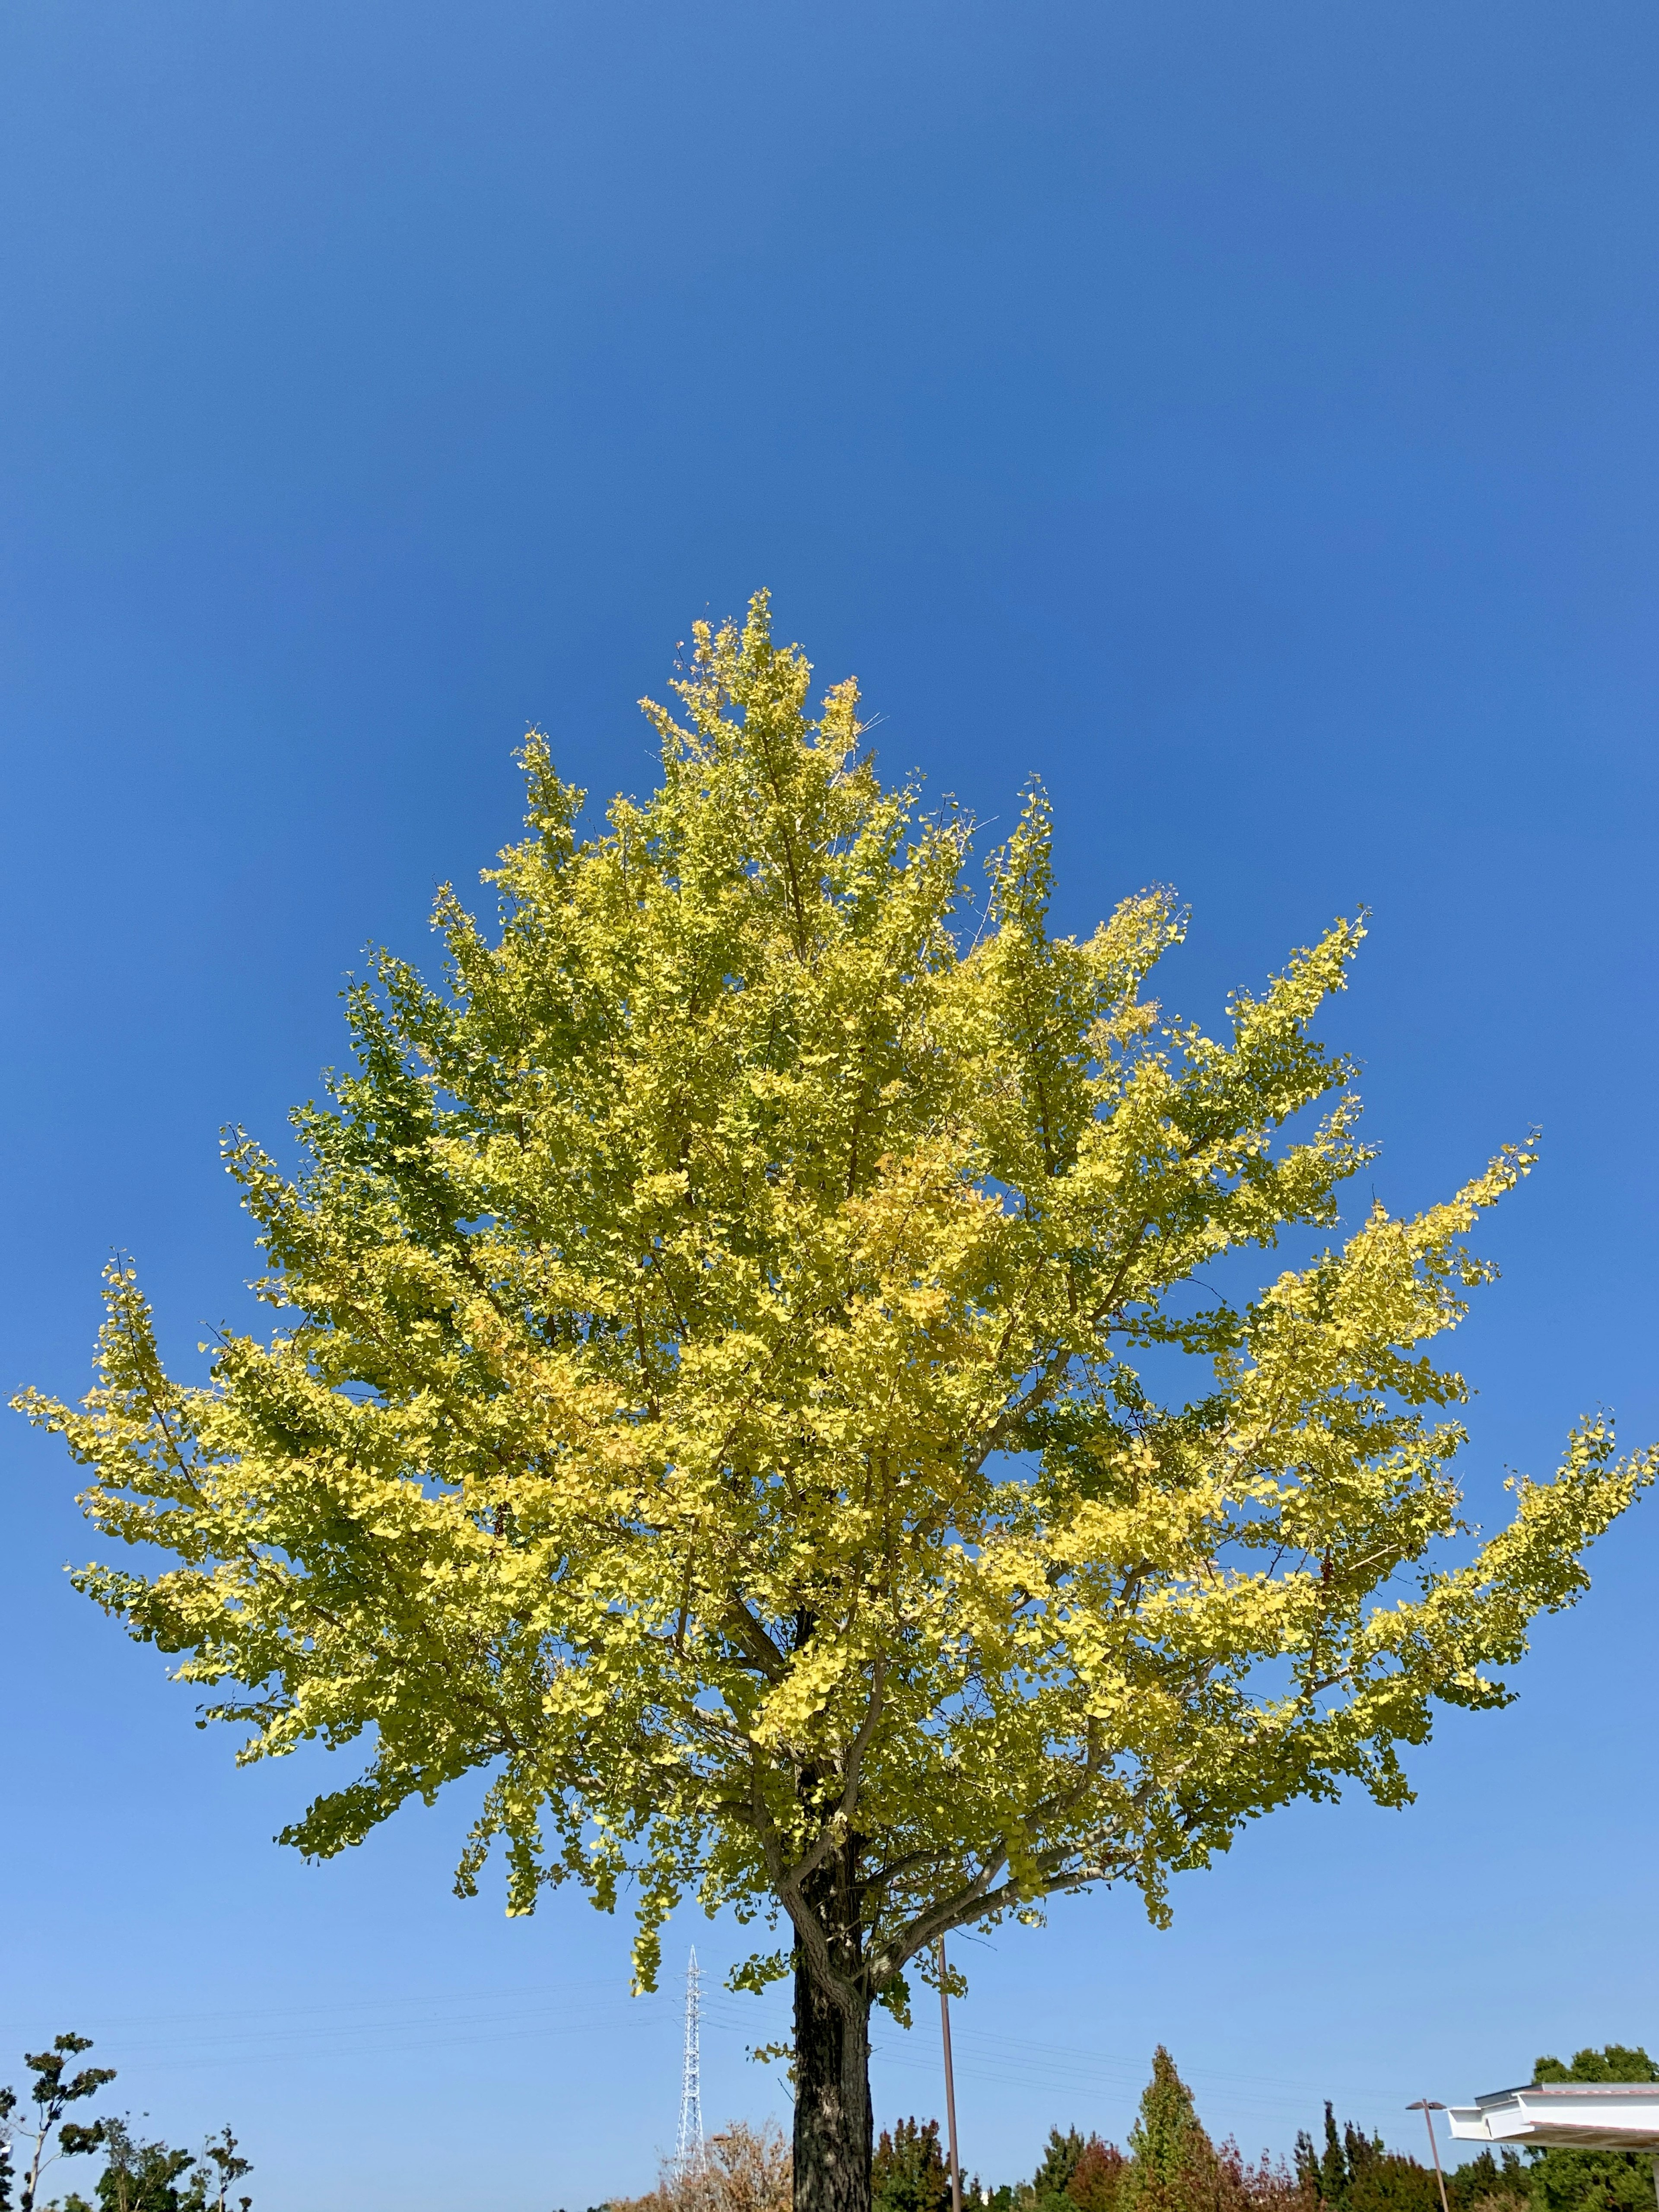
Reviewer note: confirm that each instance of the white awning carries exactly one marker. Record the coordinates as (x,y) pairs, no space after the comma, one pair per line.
(1575,2115)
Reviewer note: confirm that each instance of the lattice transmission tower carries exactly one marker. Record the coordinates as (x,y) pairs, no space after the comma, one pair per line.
(688,2153)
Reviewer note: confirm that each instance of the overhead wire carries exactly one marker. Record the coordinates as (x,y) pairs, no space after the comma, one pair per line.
(417,2020)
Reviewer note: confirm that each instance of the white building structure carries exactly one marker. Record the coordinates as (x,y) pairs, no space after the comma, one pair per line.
(1571,2115)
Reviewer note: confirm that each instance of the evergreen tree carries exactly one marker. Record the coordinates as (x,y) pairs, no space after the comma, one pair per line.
(1354,2172)
(1389,2181)
(1305,2160)
(909,2173)
(1175,2162)
(1333,2174)
(1060,2160)
(1482,2178)
(1361,2151)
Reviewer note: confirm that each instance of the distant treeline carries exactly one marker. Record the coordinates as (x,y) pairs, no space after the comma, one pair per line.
(135,2175)
(1170,2163)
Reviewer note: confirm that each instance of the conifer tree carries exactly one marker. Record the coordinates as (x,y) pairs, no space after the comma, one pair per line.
(1062,2154)
(1334,2173)
(1174,2159)
(909,2173)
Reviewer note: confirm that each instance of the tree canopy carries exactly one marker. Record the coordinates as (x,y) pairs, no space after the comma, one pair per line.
(763,1375)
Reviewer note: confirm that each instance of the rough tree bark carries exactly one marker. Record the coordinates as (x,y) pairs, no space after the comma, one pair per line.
(834,2139)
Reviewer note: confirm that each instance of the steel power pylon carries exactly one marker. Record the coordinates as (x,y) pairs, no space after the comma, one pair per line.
(688,2156)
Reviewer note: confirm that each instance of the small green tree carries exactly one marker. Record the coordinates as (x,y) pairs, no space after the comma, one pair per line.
(1390,2181)
(1062,2154)
(1354,2172)
(1174,2159)
(53,2090)
(145,2177)
(1489,2180)
(219,2152)
(1334,2170)
(910,2172)
(8,2107)
(1353,2167)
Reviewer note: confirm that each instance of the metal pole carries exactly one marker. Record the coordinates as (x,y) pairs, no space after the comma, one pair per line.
(951,2085)
(1429,2108)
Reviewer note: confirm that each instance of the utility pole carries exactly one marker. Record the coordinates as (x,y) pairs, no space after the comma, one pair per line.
(1429,2108)
(950,2085)
(688,2154)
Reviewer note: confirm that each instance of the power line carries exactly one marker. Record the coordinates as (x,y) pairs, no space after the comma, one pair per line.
(408,2021)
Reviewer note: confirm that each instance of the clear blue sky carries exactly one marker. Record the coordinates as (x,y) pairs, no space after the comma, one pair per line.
(1244,416)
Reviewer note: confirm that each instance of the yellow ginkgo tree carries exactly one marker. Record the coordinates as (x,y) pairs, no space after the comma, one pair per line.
(759,1381)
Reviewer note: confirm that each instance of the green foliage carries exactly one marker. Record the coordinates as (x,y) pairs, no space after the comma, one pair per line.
(1389,2181)
(145,2177)
(1343,2154)
(1061,2157)
(1078,2173)
(52,2089)
(711,1402)
(1353,2169)
(1353,2172)
(138,2176)
(1594,2180)
(219,2153)
(1614,2061)
(1173,2158)
(1485,2177)
(1176,2166)
(909,2173)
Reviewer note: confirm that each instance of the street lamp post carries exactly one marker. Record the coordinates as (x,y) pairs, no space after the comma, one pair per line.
(1429,2106)
(950,2085)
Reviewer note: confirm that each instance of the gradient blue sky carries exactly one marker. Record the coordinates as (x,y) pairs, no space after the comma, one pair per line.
(1242,415)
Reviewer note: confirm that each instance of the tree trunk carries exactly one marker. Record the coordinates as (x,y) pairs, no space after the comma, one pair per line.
(833,2132)
(833,2127)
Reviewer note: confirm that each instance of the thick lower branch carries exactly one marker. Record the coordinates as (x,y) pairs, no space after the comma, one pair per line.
(1063,1867)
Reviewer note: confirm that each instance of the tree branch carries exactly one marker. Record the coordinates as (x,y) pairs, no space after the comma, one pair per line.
(836,1824)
